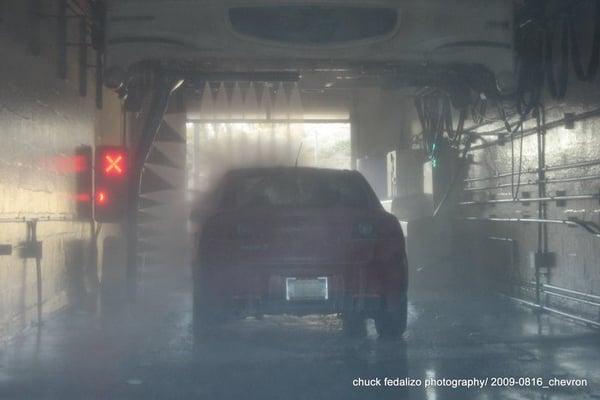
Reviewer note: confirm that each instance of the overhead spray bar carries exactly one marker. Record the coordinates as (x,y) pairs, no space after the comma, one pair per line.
(199,78)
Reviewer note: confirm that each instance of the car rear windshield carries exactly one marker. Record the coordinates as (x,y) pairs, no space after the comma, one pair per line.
(298,189)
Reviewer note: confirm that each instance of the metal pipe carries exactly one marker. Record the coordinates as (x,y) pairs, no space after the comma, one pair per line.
(533,199)
(524,220)
(533,183)
(567,297)
(502,175)
(555,311)
(61,45)
(546,288)
(83,57)
(32,238)
(38,219)
(268,120)
(580,164)
(502,186)
(571,291)
(553,290)
(590,227)
(198,78)
(542,247)
(501,239)
(99,80)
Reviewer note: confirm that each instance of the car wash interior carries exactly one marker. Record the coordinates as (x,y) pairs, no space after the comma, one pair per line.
(287,168)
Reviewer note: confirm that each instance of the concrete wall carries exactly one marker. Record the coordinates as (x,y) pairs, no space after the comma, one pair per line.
(42,120)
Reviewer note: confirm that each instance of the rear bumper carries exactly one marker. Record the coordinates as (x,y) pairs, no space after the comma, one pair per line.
(251,307)
(255,290)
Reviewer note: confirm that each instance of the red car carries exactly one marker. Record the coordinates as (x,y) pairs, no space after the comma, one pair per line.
(300,241)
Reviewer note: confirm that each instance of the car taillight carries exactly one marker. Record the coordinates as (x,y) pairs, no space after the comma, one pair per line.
(381,229)
(364,230)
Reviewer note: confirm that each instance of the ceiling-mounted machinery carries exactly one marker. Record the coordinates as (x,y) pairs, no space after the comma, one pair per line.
(413,40)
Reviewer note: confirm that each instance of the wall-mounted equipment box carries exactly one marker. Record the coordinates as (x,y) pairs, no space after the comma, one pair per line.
(5,249)
(542,260)
(31,250)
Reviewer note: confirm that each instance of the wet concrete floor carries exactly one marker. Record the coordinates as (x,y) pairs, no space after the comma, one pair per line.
(146,351)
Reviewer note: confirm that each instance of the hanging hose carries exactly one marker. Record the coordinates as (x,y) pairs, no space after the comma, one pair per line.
(557,86)
(435,114)
(529,49)
(592,69)
(463,163)
(454,134)
(534,48)
(428,110)
(515,190)
(478,111)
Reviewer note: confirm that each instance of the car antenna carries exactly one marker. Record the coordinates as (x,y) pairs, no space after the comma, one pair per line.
(298,156)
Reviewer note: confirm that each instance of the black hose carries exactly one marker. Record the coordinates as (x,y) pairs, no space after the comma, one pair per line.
(530,69)
(428,110)
(463,163)
(518,187)
(557,86)
(453,134)
(592,68)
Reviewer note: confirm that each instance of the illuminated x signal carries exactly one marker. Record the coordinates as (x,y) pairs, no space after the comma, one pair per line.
(110,183)
(113,164)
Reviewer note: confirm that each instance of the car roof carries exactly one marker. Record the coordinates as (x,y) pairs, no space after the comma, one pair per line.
(269,170)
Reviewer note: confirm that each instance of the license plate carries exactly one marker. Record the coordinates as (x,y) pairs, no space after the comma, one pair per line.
(299,289)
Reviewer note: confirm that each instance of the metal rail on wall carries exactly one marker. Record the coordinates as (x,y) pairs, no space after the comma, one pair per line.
(535,183)
(580,164)
(533,199)
(564,294)
(14,220)
(554,311)
(588,226)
